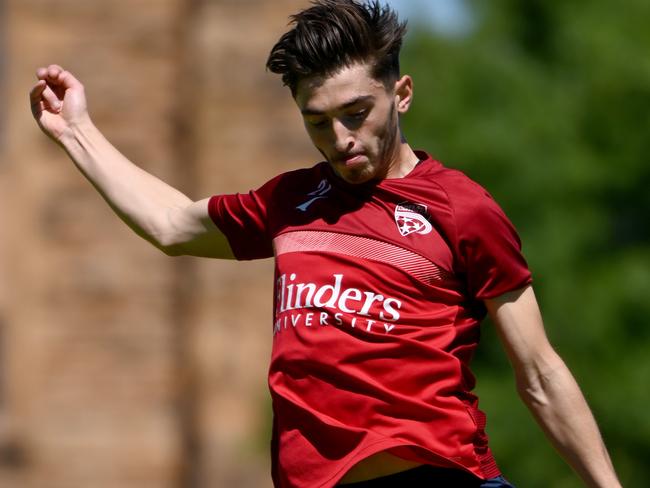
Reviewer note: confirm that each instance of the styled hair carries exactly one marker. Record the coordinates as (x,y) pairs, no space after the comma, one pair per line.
(333,34)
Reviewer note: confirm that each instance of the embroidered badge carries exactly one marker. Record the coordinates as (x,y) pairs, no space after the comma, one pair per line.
(412,217)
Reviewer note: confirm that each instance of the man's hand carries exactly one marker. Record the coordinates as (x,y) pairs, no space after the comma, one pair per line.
(58,101)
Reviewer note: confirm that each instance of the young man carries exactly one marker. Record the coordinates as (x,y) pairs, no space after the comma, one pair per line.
(386,262)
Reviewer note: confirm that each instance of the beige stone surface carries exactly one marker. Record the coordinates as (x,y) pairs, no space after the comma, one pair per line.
(119,366)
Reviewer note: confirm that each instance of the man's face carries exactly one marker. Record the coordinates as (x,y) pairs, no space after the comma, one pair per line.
(353,120)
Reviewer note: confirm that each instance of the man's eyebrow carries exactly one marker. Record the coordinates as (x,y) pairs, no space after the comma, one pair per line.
(354,101)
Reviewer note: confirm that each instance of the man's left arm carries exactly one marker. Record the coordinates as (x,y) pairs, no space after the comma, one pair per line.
(548,388)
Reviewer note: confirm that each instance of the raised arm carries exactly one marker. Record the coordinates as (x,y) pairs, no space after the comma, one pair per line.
(153,209)
(548,388)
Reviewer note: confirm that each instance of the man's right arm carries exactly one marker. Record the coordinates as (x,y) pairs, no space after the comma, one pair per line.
(154,210)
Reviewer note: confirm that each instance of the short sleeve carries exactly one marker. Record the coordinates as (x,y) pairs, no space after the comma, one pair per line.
(489,248)
(244,220)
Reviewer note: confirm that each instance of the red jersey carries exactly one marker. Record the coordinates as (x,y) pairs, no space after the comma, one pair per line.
(378,301)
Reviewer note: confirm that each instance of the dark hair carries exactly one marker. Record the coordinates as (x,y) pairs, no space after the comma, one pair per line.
(332,34)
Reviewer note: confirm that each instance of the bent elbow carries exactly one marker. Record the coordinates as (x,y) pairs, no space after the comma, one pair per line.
(172,250)
(169,246)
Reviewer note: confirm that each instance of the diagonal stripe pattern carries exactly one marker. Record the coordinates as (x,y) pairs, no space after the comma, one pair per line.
(360,247)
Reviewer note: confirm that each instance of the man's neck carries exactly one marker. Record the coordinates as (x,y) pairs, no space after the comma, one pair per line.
(405,161)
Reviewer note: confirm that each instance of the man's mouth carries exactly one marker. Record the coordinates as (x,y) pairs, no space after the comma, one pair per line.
(352,159)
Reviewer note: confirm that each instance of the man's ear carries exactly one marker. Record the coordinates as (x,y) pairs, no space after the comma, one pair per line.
(404,93)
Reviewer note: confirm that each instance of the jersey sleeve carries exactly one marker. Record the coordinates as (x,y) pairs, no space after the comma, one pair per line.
(244,219)
(489,249)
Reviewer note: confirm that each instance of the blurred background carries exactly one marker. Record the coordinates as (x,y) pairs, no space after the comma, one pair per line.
(121,367)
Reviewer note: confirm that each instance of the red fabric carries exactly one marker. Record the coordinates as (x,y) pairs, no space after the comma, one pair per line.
(378,301)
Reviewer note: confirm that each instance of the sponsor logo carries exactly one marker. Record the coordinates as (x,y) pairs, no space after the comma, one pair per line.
(322,191)
(412,218)
(349,306)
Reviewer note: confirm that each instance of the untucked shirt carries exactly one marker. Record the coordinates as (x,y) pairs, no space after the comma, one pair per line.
(378,299)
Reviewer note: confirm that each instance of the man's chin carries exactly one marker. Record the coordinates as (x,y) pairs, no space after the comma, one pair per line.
(353,175)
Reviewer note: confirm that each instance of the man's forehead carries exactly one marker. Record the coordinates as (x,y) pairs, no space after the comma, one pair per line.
(313,109)
(346,86)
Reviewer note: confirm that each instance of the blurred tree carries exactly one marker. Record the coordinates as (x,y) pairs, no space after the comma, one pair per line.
(547,105)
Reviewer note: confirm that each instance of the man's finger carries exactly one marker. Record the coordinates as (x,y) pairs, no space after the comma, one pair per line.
(51,99)
(36,92)
(67,80)
(42,93)
(48,73)
(55,75)
(36,98)
(53,71)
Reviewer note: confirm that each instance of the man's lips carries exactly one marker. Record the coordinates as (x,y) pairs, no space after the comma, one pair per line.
(352,159)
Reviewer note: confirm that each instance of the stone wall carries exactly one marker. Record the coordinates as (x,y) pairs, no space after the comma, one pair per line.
(119,366)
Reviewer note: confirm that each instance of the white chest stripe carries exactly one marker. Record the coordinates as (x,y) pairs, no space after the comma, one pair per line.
(360,247)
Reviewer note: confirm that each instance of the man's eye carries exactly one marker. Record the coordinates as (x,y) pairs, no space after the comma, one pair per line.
(359,115)
(318,123)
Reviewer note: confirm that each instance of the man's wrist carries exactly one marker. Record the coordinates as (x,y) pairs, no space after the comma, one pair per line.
(77,130)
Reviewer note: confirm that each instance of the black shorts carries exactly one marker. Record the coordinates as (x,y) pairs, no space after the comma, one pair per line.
(427,476)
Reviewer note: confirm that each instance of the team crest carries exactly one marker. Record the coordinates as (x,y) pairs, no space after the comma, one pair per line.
(411,217)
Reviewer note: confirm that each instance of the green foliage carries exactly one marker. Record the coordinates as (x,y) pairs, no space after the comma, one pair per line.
(547,104)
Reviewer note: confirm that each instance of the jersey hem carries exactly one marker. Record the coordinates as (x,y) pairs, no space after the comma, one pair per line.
(389,444)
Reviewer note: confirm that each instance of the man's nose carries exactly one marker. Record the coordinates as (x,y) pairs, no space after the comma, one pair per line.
(343,136)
